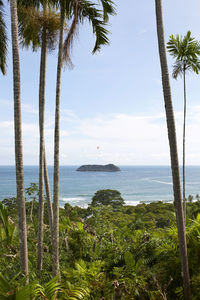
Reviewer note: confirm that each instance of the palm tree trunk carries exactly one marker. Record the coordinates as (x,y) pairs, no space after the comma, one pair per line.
(3,40)
(184,123)
(31,213)
(48,195)
(18,142)
(41,160)
(173,149)
(56,151)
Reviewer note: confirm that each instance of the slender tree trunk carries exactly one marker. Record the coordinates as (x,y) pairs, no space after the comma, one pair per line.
(173,149)
(41,160)
(18,142)
(56,151)
(31,213)
(184,123)
(48,195)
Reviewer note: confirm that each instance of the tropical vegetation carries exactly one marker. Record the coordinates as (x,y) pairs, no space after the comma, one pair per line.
(109,250)
(128,252)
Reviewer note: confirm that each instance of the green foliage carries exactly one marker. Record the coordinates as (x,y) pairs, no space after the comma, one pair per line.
(49,290)
(11,204)
(75,293)
(107,197)
(186,51)
(179,293)
(77,12)
(108,9)
(9,290)
(32,22)
(32,191)
(104,252)
(8,226)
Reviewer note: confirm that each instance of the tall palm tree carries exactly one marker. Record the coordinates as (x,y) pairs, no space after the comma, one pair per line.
(186,51)
(173,149)
(3,41)
(40,30)
(18,141)
(75,11)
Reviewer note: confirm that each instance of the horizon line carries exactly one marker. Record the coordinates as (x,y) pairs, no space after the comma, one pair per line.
(122,165)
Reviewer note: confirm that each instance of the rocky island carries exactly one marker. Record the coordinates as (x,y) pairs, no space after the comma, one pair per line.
(99,168)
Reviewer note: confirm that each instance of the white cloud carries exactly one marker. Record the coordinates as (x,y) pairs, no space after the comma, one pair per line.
(118,138)
(29,109)
(143,31)
(121,127)
(26,108)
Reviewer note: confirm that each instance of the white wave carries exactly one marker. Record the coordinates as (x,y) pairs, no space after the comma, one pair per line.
(72,199)
(163,182)
(132,203)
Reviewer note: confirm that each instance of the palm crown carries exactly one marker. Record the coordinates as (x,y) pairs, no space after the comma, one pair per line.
(33,21)
(78,11)
(186,51)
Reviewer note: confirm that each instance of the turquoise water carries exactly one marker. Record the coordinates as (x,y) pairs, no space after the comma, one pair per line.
(136,183)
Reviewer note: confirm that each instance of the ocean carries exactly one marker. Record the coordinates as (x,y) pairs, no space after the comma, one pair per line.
(136,183)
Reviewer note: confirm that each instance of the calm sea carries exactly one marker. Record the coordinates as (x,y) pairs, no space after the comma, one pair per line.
(136,183)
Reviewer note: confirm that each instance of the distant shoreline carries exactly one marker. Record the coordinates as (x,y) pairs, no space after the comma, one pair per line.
(159,166)
(137,184)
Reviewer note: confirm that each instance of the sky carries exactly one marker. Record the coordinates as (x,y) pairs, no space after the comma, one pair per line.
(112,108)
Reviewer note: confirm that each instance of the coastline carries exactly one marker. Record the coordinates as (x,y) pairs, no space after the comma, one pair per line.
(137,184)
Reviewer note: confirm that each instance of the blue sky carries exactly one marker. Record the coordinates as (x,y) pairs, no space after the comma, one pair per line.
(112,100)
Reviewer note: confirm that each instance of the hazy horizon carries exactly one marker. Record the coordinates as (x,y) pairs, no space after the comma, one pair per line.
(37,165)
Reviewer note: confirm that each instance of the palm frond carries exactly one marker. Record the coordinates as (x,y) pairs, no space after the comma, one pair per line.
(78,11)
(30,3)
(49,290)
(178,68)
(3,41)
(24,293)
(8,226)
(167,247)
(4,285)
(29,27)
(193,65)
(8,289)
(75,293)
(70,37)
(186,51)
(95,17)
(32,23)
(108,9)
(101,35)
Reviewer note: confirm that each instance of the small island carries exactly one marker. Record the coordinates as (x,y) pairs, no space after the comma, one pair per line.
(98,168)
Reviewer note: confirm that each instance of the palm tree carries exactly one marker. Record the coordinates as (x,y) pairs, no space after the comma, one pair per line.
(48,196)
(186,51)
(173,149)
(75,11)
(3,41)
(41,155)
(40,30)
(18,142)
